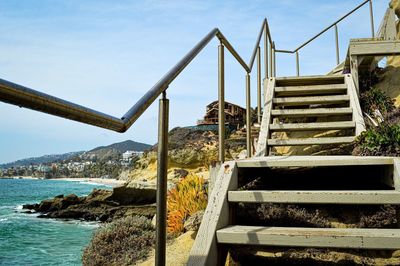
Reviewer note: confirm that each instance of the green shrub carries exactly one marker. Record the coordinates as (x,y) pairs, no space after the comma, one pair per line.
(375,98)
(122,242)
(383,140)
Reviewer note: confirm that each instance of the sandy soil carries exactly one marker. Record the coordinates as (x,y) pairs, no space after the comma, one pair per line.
(98,181)
(178,251)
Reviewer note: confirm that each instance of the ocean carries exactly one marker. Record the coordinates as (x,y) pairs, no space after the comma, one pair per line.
(28,240)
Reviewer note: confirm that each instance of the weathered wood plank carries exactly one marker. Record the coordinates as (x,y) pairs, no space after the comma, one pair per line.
(262,149)
(396,173)
(309,80)
(375,48)
(216,216)
(293,101)
(355,104)
(311,237)
(315,112)
(310,141)
(317,197)
(310,90)
(312,126)
(314,161)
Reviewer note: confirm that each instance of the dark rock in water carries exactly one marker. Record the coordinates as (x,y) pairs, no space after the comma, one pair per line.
(30,206)
(132,195)
(59,196)
(100,205)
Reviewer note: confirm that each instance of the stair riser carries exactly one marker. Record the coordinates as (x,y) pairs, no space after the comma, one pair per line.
(310,141)
(317,197)
(312,126)
(307,237)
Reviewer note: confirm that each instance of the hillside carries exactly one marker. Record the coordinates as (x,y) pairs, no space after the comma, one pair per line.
(127,145)
(114,151)
(42,159)
(101,153)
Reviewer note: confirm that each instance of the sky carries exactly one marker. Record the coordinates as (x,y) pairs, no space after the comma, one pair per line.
(106,54)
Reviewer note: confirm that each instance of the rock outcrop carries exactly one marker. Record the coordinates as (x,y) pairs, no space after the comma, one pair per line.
(100,205)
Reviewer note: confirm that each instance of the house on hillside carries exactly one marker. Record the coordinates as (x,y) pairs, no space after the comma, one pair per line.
(234,115)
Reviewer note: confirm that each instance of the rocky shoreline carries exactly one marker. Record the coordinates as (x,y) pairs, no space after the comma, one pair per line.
(100,205)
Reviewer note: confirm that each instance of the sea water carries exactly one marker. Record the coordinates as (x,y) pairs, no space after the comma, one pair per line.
(28,240)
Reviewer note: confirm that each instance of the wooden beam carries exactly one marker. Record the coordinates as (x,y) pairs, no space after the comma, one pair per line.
(216,216)
(317,197)
(375,48)
(355,104)
(311,237)
(262,146)
(310,141)
(314,161)
(396,174)
(312,126)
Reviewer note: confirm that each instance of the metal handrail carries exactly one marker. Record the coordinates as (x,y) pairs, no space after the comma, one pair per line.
(264,28)
(334,24)
(25,97)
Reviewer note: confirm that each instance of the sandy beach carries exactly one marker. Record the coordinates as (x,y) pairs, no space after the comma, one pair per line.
(99,181)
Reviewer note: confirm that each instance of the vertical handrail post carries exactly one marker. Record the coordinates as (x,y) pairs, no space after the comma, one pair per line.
(248,116)
(337,45)
(266,75)
(221,104)
(162,167)
(259,85)
(297,64)
(271,73)
(371,14)
(274,59)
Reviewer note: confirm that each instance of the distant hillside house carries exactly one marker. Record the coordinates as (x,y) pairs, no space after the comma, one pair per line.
(234,115)
(128,155)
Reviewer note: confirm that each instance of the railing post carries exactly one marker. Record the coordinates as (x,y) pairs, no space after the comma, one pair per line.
(337,45)
(266,51)
(271,63)
(248,116)
(259,85)
(162,167)
(297,64)
(274,55)
(221,104)
(371,14)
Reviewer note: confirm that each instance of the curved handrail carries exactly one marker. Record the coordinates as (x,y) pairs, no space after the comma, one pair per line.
(264,27)
(25,97)
(324,30)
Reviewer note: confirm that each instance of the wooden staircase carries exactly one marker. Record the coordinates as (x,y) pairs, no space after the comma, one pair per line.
(325,106)
(327,180)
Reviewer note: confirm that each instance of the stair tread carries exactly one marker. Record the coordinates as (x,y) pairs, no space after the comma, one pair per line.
(312,112)
(365,238)
(310,141)
(317,196)
(304,100)
(310,80)
(313,161)
(312,126)
(310,89)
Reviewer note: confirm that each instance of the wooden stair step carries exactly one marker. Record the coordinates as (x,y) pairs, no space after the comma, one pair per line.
(311,90)
(305,100)
(310,141)
(309,80)
(358,238)
(316,112)
(312,126)
(317,196)
(313,161)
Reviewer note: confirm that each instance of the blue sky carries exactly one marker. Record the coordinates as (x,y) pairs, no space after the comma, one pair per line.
(106,54)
